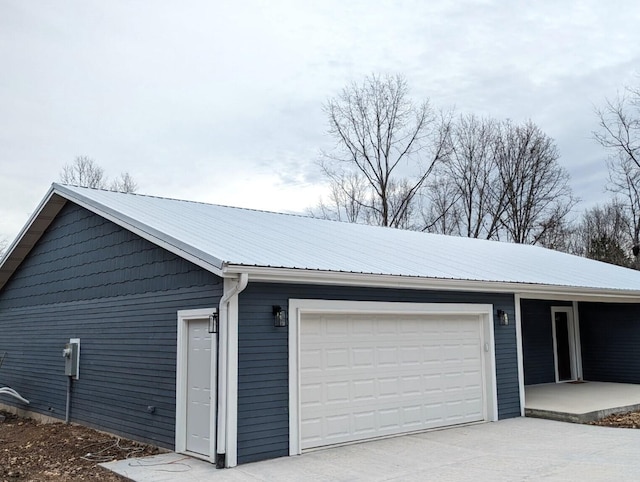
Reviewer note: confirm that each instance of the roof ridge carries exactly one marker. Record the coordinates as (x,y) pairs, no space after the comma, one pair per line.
(227,206)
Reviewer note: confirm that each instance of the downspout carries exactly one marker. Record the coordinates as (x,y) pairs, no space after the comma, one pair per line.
(223,368)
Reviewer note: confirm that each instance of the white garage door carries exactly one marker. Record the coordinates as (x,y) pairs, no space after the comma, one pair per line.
(365,376)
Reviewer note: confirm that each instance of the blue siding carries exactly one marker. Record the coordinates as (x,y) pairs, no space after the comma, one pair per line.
(537,340)
(610,337)
(88,278)
(263,390)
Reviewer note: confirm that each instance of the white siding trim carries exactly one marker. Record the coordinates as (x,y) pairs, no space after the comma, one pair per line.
(578,340)
(295,309)
(181,379)
(519,352)
(299,306)
(491,389)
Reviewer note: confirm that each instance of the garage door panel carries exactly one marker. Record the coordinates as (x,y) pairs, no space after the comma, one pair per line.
(365,327)
(318,360)
(312,361)
(364,423)
(364,376)
(363,358)
(398,387)
(337,405)
(378,422)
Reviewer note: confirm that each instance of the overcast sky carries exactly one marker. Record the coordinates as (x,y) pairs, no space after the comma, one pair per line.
(221,101)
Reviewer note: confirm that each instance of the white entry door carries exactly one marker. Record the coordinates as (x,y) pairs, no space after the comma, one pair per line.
(198,389)
(565,341)
(370,375)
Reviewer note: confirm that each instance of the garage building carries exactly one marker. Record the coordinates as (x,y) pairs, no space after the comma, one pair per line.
(237,335)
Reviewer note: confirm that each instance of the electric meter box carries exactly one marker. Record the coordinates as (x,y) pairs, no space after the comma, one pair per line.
(71,355)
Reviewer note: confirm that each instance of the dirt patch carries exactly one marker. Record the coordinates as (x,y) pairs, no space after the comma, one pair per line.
(33,451)
(622,420)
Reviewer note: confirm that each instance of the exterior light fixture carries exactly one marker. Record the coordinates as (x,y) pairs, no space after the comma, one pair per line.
(503,317)
(213,322)
(279,317)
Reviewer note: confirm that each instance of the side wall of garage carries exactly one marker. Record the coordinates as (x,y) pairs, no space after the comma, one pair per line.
(88,278)
(263,390)
(537,340)
(610,337)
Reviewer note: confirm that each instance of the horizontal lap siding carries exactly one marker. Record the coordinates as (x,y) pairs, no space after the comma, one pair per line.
(610,338)
(537,340)
(263,380)
(88,278)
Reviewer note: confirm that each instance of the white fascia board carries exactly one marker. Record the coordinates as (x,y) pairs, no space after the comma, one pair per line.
(28,225)
(195,256)
(525,290)
(577,294)
(39,220)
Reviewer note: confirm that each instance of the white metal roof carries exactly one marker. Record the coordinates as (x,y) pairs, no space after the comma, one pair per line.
(219,237)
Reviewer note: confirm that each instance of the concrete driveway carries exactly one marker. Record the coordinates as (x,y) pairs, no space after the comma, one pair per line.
(515,449)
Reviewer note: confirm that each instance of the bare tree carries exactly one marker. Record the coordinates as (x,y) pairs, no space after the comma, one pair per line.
(379,132)
(619,133)
(501,181)
(536,188)
(619,122)
(624,182)
(471,174)
(83,171)
(124,183)
(602,234)
(560,235)
(441,213)
(346,196)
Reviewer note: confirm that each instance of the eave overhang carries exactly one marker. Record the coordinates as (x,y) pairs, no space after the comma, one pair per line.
(524,290)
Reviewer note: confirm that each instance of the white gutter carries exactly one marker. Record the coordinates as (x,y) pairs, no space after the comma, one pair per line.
(227,371)
(525,290)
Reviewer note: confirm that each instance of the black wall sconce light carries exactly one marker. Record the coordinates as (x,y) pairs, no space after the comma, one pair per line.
(213,322)
(503,317)
(279,317)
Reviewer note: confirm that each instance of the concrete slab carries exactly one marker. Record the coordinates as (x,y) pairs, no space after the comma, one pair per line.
(580,402)
(515,449)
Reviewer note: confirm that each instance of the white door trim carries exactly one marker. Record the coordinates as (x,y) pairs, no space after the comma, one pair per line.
(574,342)
(576,327)
(184,316)
(299,306)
